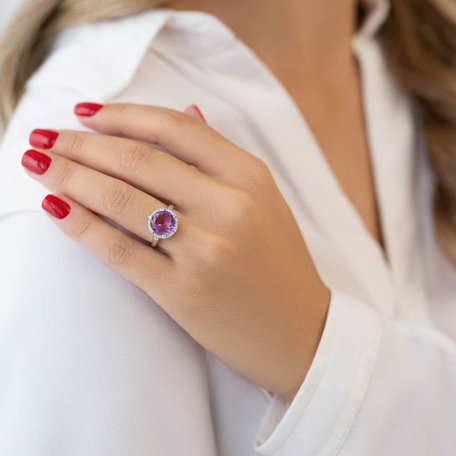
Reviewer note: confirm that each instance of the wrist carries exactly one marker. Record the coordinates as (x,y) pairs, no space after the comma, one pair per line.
(315,330)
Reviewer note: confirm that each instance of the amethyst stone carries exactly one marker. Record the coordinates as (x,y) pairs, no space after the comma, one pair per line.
(163,223)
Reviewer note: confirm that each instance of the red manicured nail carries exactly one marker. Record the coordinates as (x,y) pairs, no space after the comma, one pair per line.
(43,139)
(35,161)
(87,109)
(198,112)
(55,206)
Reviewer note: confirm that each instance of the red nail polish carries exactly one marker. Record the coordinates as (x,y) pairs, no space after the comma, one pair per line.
(43,139)
(87,109)
(199,113)
(35,161)
(55,206)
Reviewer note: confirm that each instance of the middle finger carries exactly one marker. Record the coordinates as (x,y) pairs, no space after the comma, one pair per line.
(148,169)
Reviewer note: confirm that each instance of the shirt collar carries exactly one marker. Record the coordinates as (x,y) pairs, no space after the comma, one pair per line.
(121,44)
(377,12)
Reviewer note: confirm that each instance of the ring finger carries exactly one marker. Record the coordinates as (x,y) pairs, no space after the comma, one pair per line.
(115,199)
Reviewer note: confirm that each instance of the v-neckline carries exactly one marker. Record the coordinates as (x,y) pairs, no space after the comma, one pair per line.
(372,261)
(364,255)
(226,36)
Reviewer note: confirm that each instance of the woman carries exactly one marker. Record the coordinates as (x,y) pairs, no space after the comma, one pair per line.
(295,292)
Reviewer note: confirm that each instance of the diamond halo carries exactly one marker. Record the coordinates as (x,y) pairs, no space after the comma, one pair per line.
(162,223)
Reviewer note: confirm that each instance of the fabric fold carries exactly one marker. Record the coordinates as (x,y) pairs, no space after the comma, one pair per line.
(322,412)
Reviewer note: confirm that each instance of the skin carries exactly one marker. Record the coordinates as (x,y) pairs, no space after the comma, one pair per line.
(306,45)
(253,299)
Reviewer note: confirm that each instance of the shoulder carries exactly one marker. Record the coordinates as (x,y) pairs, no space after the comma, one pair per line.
(98,59)
(87,62)
(147,58)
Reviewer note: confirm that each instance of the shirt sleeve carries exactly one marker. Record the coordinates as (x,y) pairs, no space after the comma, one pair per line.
(89,364)
(377,385)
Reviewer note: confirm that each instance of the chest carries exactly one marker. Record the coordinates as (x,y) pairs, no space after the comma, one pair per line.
(336,118)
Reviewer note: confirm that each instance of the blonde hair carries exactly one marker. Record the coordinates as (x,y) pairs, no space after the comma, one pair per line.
(420,39)
(27,40)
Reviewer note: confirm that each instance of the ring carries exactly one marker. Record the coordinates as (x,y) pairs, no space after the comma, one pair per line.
(162,223)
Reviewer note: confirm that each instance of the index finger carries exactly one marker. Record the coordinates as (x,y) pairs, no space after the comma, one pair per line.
(185,137)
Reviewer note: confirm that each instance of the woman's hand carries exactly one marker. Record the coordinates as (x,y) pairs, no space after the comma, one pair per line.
(236,275)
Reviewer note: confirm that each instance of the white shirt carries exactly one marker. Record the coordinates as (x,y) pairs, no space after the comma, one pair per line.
(90,365)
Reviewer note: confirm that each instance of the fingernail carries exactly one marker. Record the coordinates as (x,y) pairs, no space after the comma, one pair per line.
(43,139)
(55,206)
(35,161)
(87,109)
(198,112)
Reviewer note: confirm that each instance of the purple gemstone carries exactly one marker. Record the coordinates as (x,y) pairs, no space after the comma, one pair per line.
(162,223)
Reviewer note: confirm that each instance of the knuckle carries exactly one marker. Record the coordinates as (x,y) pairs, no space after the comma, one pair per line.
(239,205)
(218,250)
(118,250)
(117,199)
(133,156)
(171,121)
(259,172)
(80,228)
(119,110)
(65,176)
(118,113)
(74,142)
